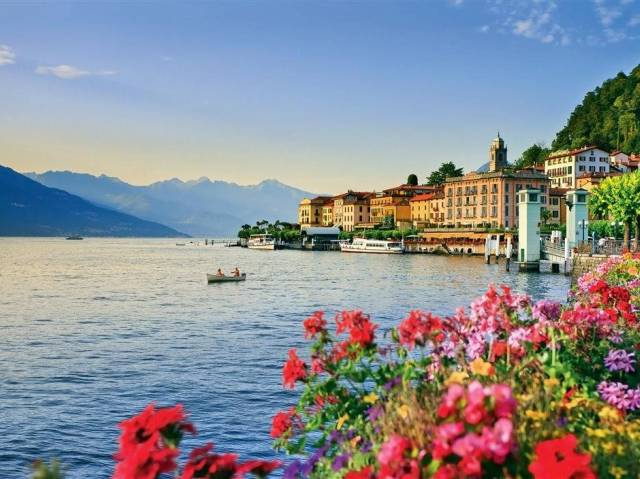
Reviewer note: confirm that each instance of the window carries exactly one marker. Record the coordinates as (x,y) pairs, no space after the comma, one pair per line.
(543,199)
(533,197)
(603,169)
(506,187)
(506,210)
(555,213)
(582,198)
(592,168)
(581,167)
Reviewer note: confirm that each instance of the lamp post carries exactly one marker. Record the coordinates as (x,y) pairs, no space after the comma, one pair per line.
(584,224)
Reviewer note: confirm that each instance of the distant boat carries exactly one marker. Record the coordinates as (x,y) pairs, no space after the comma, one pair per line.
(74,237)
(263,241)
(362,245)
(214,278)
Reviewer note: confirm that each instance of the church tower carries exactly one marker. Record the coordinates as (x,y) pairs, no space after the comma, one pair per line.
(497,154)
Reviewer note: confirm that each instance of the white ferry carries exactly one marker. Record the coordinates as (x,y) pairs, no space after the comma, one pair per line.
(263,241)
(361,245)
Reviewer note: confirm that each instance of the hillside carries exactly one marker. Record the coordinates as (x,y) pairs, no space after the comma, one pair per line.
(28,208)
(198,207)
(608,116)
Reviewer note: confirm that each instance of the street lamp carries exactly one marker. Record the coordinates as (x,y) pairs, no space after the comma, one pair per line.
(584,224)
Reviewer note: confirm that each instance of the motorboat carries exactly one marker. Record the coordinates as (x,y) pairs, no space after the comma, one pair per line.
(261,241)
(362,245)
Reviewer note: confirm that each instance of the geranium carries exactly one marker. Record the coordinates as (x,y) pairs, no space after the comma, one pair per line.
(203,463)
(282,423)
(294,370)
(558,459)
(314,325)
(620,360)
(394,460)
(149,442)
(420,327)
(361,329)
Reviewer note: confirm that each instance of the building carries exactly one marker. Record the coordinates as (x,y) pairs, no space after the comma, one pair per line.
(327,212)
(437,208)
(589,181)
(349,198)
(421,210)
(564,167)
(355,211)
(319,238)
(490,198)
(557,205)
(310,211)
(409,190)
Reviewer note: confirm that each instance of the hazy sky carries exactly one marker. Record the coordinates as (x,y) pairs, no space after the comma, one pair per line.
(320,95)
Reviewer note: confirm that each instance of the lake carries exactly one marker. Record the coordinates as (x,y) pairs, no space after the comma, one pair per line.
(94,330)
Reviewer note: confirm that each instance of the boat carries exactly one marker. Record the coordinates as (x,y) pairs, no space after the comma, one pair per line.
(262,241)
(74,237)
(362,245)
(214,278)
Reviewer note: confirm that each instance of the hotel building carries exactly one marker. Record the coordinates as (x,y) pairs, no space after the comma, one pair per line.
(564,167)
(481,199)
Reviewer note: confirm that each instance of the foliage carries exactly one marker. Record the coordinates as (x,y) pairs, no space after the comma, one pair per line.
(412,180)
(504,388)
(446,170)
(604,229)
(618,198)
(533,155)
(607,117)
(280,230)
(42,470)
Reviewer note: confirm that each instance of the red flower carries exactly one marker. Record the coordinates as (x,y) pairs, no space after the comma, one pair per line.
(340,351)
(282,423)
(557,459)
(203,463)
(314,324)
(294,369)
(420,327)
(361,329)
(149,442)
(366,473)
(257,467)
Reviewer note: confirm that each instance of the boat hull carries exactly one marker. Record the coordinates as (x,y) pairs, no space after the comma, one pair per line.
(370,251)
(213,278)
(262,246)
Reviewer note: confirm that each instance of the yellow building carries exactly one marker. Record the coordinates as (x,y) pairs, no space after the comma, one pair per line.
(557,205)
(355,212)
(327,212)
(421,210)
(310,211)
(339,203)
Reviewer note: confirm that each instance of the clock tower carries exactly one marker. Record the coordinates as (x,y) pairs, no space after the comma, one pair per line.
(497,154)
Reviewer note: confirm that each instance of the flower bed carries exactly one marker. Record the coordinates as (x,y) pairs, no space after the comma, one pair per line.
(504,388)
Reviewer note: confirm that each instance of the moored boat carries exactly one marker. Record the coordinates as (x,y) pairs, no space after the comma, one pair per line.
(74,237)
(214,278)
(362,245)
(261,241)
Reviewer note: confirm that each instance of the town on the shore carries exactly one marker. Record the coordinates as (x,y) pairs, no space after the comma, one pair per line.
(454,213)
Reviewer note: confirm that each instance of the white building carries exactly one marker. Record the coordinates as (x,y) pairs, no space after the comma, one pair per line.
(563,167)
(620,161)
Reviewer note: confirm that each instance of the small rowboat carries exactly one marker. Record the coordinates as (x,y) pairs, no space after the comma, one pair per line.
(214,278)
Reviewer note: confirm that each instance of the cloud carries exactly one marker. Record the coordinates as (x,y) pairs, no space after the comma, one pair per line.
(554,22)
(69,72)
(7,56)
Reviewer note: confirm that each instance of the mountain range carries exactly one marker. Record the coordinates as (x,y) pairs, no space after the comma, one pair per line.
(199,207)
(28,208)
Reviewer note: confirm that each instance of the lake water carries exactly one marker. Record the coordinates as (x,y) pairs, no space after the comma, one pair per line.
(93,330)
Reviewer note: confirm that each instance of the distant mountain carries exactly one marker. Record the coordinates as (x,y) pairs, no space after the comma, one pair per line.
(28,208)
(198,207)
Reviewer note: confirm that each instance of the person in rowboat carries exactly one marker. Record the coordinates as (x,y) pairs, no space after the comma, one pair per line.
(236,272)
(219,273)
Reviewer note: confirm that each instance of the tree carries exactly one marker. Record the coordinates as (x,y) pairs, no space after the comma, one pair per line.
(618,198)
(536,153)
(446,170)
(545,215)
(412,180)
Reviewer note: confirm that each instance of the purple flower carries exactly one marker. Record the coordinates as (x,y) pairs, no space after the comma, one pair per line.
(340,461)
(620,360)
(374,412)
(292,470)
(615,394)
(546,311)
(393,383)
(616,337)
(633,396)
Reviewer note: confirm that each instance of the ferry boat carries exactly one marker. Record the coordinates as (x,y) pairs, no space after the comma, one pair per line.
(263,241)
(362,245)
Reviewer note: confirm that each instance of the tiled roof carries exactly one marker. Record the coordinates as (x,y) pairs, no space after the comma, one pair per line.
(560,154)
(424,197)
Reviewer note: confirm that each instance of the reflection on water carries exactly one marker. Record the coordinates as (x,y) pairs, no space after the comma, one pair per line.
(93,330)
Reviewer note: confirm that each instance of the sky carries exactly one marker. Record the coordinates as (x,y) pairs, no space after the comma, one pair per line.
(324,96)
